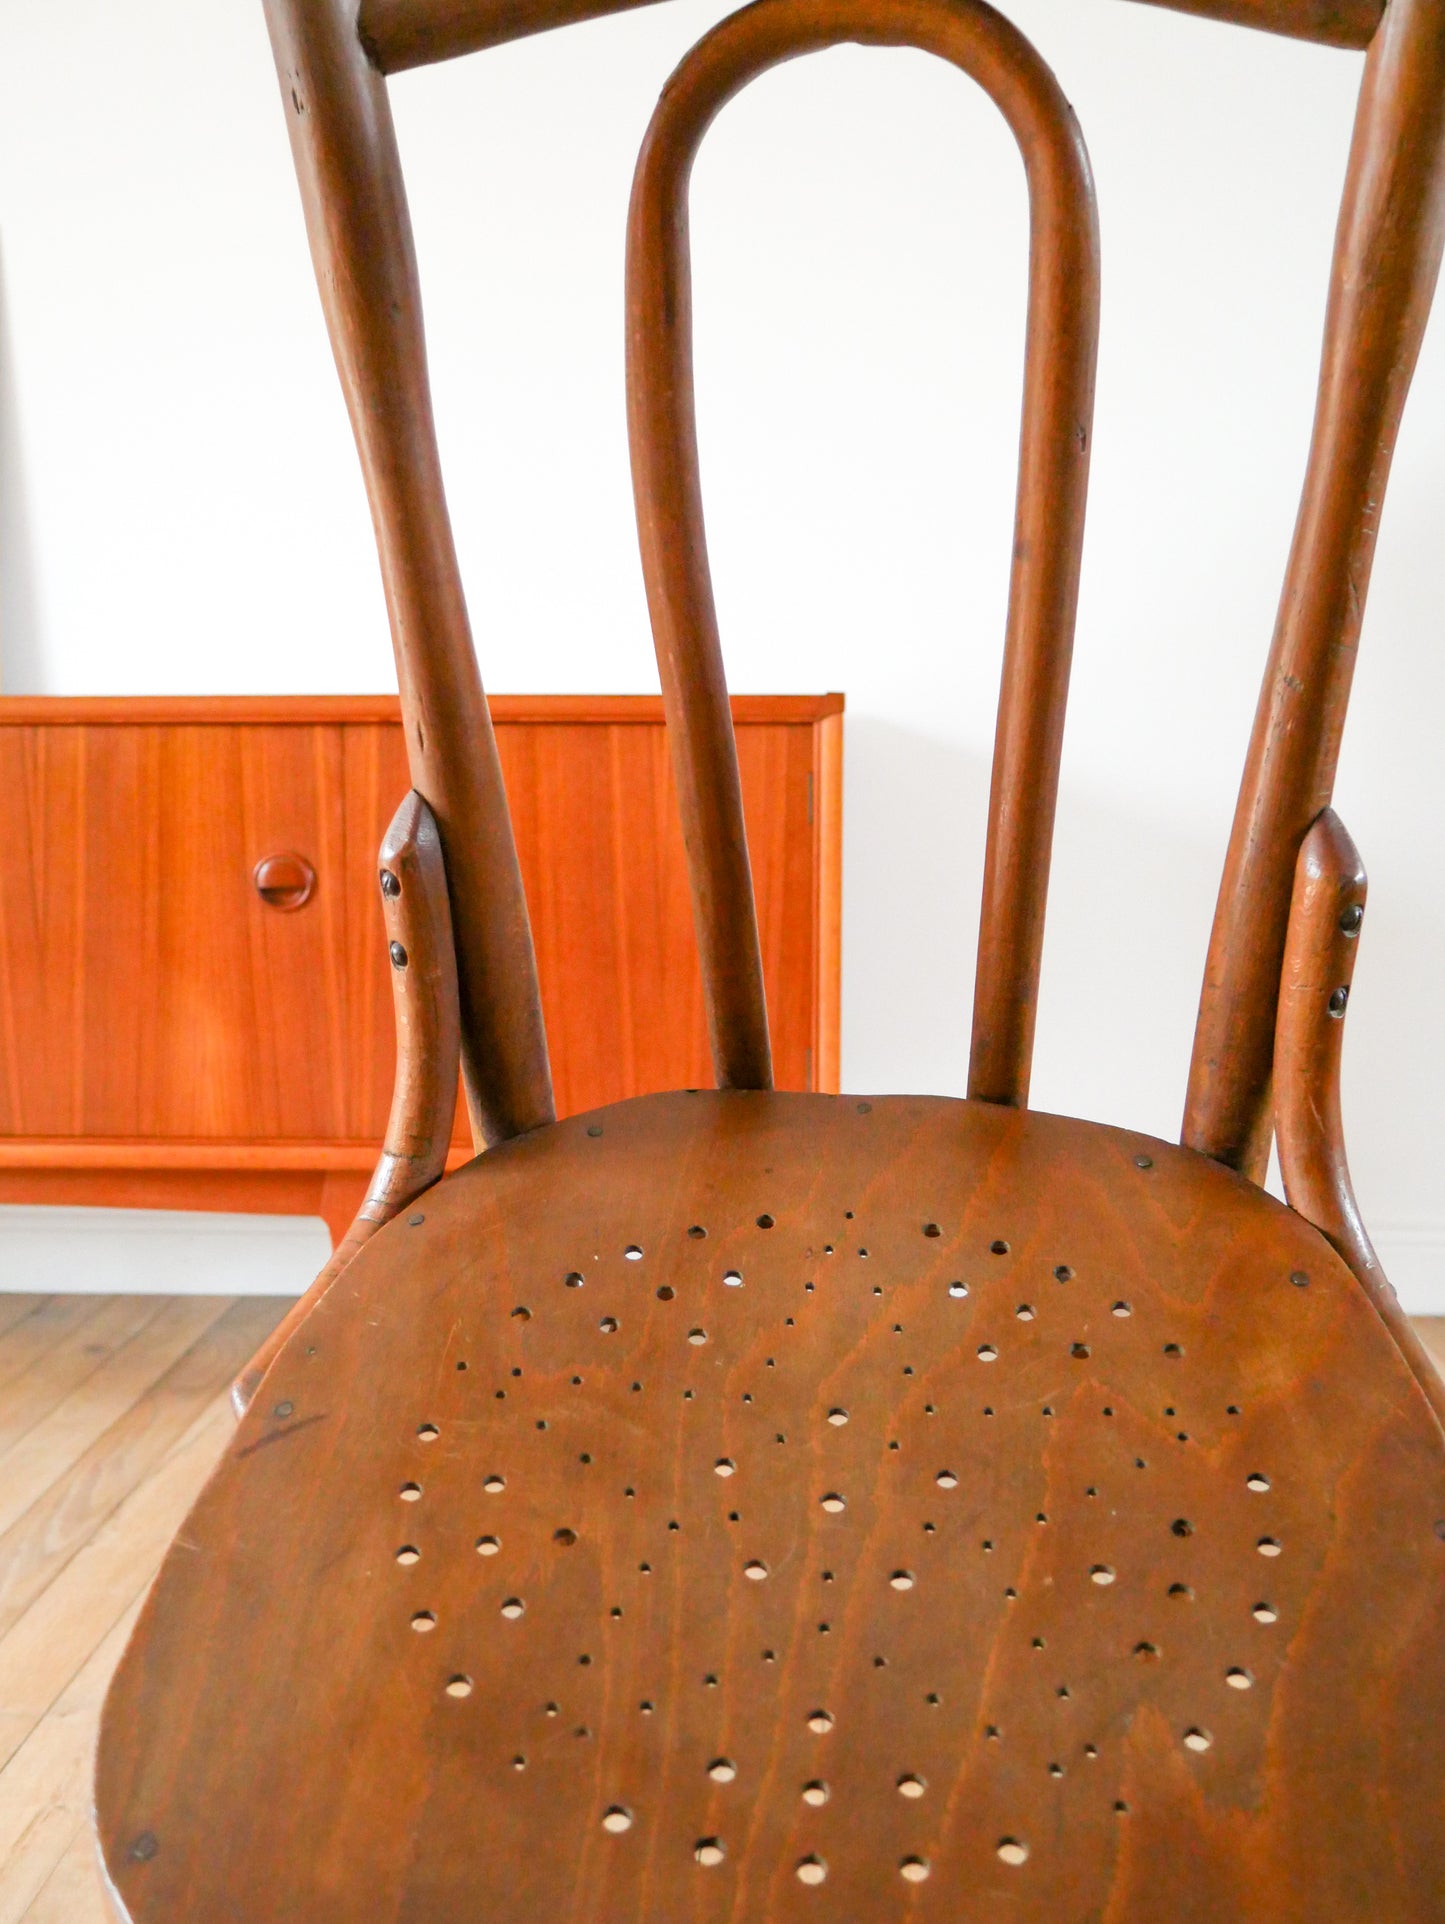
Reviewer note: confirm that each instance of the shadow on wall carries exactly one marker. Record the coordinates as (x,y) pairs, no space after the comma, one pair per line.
(19,624)
(1131,898)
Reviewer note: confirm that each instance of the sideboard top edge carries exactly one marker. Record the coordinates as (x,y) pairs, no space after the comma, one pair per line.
(229,711)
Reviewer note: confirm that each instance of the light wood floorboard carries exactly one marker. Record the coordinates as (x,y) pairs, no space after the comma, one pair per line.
(112,1413)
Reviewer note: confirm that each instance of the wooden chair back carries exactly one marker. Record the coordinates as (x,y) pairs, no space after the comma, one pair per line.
(333,61)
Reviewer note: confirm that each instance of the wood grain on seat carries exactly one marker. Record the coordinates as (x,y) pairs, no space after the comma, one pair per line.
(1000,1477)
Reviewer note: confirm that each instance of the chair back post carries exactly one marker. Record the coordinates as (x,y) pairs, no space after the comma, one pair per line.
(344,146)
(1053,478)
(1386,263)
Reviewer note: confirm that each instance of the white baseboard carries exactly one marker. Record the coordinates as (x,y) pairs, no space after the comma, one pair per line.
(165,1252)
(159,1252)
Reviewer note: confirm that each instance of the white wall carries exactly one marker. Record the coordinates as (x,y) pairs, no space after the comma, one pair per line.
(180,508)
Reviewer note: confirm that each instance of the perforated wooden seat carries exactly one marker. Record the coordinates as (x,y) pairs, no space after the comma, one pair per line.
(756,1506)
(760,1505)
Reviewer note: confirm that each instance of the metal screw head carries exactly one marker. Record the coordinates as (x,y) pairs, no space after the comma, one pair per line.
(1338,1000)
(283,1410)
(389,884)
(415,1222)
(1351,919)
(399,957)
(1143,1162)
(143,1848)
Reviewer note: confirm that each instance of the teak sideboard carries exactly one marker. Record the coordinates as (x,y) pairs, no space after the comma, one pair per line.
(195,1010)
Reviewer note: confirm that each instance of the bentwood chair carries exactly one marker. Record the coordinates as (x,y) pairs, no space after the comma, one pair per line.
(750,1506)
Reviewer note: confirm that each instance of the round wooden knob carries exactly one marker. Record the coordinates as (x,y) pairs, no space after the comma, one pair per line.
(284,881)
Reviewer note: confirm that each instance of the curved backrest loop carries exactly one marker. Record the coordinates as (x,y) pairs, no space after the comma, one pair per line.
(1048,531)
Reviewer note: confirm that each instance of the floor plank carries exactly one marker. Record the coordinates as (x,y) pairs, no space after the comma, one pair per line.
(62,1436)
(64,1365)
(72,1893)
(30,1336)
(41,1541)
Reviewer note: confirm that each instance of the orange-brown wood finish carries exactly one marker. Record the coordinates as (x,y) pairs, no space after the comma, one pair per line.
(169,1040)
(1048,533)
(1327,913)
(1387,261)
(413,886)
(412,33)
(733,1505)
(356,216)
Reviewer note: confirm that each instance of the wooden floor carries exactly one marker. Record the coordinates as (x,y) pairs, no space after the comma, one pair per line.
(112,1411)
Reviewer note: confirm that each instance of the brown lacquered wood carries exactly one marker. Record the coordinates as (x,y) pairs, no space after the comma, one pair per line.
(345,152)
(412,33)
(1053,476)
(1387,259)
(1326,916)
(1336,23)
(1063,1431)
(412,883)
(169,1041)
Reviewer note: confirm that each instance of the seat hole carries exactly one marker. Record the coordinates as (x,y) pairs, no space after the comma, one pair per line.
(488,1546)
(1182,1527)
(932,1229)
(834,1504)
(494,1484)
(755,1569)
(958,1289)
(1102,1574)
(616,1818)
(428,1432)
(765,1222)
(574,1279)
(1147,1652)
(1181,1592)
(812,1870)
(987,1353)
(423,1621)
(911,1786)
(697,1232)
(815,1793)
(1196,1739)
(722,1770)
(522,1314)
(1025,1312)
(1123,1309)
(709,1851)
(820,1721)
(724,1466)
(1173,1349)
(408,1553)
(998,1247)
(946,1480)
(633,1252)
(1256,1482)
(565,1537)
(1012,1850)
(1063,1273)
(1238,1679)
(513,1608)
(608,1326)
(1269,1546)
(1265,1613)
(902,1580)
(459,1686)
(1079,1351)
(915,1869)
(733,1278)
(666,1293)
(837,1418)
